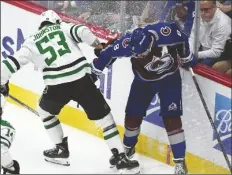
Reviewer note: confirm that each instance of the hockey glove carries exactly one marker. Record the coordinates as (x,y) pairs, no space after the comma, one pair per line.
(94,72)
(14,169)
(189,61)
(97,50)
(4,89)
(94,77)
(111,62)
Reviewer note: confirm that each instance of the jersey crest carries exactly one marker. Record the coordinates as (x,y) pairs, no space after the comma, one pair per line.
(125,42)
(165,31)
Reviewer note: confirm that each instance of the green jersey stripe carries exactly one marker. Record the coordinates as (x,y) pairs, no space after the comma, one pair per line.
(7,124)
(67,73)
(8,65)
(76,29)
(14,61)
(71,32)
(79,60)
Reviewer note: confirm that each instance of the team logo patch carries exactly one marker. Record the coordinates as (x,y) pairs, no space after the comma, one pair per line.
(165,31)
(222,121)
(125,42)
(172,107)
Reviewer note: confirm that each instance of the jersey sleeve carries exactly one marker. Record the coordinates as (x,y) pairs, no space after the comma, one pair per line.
(181,40)
(7,134)
(80,33)
(116,50)
(13,63)
(184,48)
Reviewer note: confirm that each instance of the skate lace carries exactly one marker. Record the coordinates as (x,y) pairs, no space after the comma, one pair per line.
(51,150)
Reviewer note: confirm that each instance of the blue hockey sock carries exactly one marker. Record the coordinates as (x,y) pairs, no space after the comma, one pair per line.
(131,136)
(177,142)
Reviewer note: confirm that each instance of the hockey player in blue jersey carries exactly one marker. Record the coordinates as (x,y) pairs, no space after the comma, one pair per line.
(155,51)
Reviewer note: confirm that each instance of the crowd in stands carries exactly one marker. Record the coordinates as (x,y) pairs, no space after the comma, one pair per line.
(214,47)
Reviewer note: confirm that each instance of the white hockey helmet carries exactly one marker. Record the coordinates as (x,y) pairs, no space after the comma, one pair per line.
(50,16)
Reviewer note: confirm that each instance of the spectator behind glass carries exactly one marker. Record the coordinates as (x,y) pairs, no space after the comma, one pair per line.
(101,13)
(180,11)
(43,3)
(215,29)
(184,15)
(61,6)
(107,13)
(225,7)
(225,65)
(66,7)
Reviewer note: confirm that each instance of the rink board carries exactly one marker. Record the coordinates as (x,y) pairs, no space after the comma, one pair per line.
(202,147)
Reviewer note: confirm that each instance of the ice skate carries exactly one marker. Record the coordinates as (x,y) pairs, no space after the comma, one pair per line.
(124,165)
(14,169)
(130,152)
(180,166)
(59,154)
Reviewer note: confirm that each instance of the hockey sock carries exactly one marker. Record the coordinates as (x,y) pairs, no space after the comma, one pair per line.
(54,129)
(131,136)
(110,132)
(132,130)
(177,142)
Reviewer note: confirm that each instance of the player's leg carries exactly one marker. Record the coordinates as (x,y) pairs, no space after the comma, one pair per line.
(8,165)
(97,109)
(51,102)
(171,112)
(140,97)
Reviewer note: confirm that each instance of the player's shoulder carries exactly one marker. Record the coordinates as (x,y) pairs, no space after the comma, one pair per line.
(70,25)
(66,24)
(5,123)
(29,39)
(125,39)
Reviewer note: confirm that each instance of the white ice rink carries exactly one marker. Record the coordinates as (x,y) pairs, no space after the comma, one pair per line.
(89,154)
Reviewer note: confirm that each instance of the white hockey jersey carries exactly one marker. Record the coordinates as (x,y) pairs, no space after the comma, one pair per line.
(7,133)
(54,50)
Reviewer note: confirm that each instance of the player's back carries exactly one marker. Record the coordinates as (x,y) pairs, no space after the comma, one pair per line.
(162,61)
(166,34)
(54,51)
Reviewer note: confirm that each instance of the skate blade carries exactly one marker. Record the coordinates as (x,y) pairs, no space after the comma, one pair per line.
(59,161)
(131,171)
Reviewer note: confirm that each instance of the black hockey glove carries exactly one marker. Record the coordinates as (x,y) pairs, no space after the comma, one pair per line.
(14,169)
(94,77)
(4,89)
(97,51)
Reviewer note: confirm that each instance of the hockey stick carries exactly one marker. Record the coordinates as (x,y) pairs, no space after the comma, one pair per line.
(210,118)
(23,104)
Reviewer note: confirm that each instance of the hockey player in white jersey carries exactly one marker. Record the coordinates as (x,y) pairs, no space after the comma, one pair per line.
(66,74)
(8,165)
